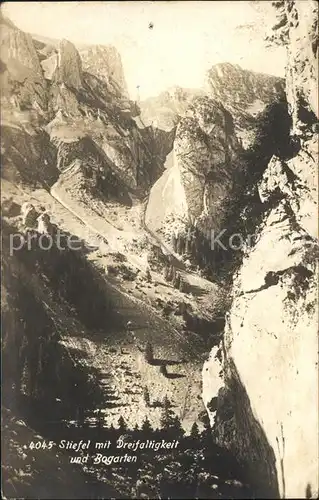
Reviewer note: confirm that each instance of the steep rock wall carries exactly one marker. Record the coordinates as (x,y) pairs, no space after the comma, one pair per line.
(204,169)
(206,148)
(66,96)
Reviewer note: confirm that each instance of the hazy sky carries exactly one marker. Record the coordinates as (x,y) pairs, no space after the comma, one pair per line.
(186,38)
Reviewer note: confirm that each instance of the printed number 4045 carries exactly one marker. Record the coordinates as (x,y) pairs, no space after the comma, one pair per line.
(38,445)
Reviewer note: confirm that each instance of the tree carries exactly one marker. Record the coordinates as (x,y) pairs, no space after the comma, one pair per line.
(194,434)
(179,246)
(174,242)
(166,272)
(122,424)
(173,273)
(187,244)
(149,354)
(170,273)
(111,430)
(81,417)
(135,431)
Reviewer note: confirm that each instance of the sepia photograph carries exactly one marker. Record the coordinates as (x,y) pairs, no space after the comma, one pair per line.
(159,265)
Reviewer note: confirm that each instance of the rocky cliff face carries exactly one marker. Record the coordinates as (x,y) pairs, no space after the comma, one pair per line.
(244,93)
(69,126)
(297,28)
(212,137)
(105,63)
(165,110)
(67,96)
(206,148)
(260,386)
(69,66)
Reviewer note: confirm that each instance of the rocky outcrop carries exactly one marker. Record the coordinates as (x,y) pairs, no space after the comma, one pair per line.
(205,154)
(245,94)
(260,386)
(232,84)
(69,67)
(295,181)
(91,105)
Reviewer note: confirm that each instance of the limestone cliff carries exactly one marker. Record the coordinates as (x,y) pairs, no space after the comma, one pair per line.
(260,386)
(206,148)
(233,155)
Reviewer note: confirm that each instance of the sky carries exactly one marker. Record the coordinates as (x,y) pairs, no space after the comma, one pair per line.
(162,44)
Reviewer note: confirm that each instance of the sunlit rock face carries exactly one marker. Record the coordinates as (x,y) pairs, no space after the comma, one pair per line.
(260,387)
(165,110)
(296,179)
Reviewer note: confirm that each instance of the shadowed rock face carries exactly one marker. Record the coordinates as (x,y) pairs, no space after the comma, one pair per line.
(271,330)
